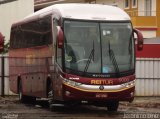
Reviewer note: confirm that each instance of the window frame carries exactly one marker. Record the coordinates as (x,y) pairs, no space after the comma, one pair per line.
(125,3)
(148,12)
(134,3)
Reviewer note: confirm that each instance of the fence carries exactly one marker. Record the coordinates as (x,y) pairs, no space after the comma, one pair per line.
(4,76)
(147,75)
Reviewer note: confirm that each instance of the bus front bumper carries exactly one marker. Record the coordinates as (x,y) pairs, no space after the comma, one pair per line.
(123,92)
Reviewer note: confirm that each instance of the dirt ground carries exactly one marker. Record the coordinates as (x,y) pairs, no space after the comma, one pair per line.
(141,107)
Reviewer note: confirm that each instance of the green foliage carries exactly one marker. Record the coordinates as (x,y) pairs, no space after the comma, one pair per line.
(6,47)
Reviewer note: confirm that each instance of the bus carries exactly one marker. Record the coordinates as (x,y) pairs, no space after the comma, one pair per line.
(74,54)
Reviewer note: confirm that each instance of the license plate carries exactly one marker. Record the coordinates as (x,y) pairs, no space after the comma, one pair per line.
(101,95)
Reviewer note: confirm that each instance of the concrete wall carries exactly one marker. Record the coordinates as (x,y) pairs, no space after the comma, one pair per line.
(12,12)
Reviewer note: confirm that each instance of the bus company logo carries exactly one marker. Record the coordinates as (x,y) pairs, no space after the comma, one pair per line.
(102,82)
(101,87)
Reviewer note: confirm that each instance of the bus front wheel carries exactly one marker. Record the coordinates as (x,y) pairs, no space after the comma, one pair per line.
(112,105)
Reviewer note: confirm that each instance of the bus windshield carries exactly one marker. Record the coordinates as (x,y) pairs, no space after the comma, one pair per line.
(98,47)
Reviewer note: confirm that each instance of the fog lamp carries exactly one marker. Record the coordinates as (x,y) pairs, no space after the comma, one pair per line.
(132,94)
(67,93)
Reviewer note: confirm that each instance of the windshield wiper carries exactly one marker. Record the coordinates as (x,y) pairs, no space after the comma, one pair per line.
(89,59)
(113,59)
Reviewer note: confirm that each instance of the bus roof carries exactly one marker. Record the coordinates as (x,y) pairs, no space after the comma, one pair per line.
(82,12)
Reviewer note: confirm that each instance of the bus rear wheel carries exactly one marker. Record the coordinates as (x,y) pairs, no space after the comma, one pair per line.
(112,105)
(24,98)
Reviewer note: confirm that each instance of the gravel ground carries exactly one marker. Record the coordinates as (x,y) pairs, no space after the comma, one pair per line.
(141,107)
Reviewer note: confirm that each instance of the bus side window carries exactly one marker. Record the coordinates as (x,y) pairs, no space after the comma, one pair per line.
(13,38)
(45,31)
(37,33)
(28,34)
(16,38)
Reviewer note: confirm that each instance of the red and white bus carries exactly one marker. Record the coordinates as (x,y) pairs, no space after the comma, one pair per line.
(74,53)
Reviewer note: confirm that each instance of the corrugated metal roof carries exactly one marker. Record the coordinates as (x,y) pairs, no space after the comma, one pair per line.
(42,1)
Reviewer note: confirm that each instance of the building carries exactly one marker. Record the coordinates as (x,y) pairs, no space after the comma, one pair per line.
(11,11)
(144,15)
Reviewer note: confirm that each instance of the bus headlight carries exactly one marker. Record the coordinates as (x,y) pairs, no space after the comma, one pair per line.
(72,83)
(129,84)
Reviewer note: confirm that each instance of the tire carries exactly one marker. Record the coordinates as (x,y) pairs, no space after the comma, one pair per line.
(24,98)
(53,105)
(112,105)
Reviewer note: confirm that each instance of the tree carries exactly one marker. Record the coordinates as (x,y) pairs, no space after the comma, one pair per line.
(1,42)
(6,47)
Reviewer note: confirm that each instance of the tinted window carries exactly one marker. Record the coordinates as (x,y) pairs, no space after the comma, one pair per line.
(16,37)
(36,33)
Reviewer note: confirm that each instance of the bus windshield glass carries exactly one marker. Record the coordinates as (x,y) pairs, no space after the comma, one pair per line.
(94,47)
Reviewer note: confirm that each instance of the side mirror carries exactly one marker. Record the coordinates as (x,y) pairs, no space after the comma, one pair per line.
(1,42)
(60,37)
(139,39)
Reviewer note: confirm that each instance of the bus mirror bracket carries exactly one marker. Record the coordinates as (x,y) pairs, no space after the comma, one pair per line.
(1,42)
(60,37)
(139,39)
